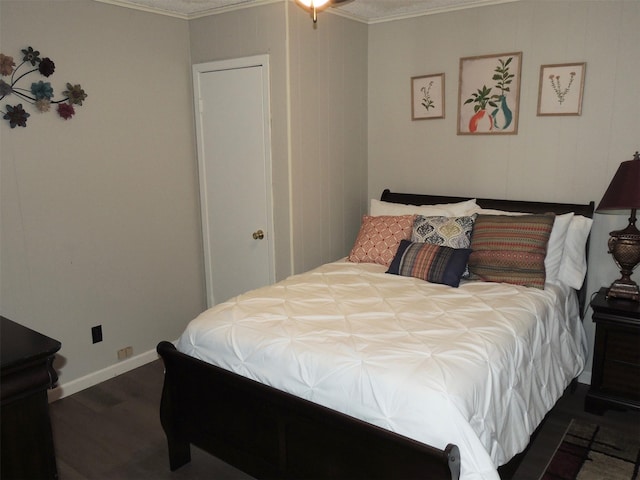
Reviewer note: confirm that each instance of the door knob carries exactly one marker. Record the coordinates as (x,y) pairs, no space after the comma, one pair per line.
(259,235)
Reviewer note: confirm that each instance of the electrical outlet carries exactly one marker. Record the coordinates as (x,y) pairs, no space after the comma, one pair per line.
(96,333)
(125,352)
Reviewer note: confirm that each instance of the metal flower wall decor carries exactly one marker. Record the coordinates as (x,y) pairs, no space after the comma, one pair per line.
(40,94)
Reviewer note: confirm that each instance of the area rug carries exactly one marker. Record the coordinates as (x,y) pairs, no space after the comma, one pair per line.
(592,452)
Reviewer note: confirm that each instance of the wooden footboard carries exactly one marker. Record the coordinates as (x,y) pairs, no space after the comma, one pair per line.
(271,434)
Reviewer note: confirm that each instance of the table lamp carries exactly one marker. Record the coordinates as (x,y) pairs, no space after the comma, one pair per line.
(624,194)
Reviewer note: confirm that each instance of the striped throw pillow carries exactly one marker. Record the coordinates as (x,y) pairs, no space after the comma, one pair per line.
(433,263)
(510,249)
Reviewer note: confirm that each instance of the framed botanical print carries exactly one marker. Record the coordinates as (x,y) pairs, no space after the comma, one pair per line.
(489,94)
(427,97)
(561,88)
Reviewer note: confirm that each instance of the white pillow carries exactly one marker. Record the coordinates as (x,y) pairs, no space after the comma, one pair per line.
(556,246)
(489,211)
(573,267)
(460,209)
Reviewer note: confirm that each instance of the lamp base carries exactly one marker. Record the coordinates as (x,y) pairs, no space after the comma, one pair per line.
(622,289)
(624,245)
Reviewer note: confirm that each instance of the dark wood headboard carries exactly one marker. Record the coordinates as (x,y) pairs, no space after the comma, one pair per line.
(506,205)
(585,210)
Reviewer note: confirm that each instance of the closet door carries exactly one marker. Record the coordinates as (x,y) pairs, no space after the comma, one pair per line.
(234,159)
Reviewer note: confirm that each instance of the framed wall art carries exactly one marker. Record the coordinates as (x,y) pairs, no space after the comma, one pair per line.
(489,94)
(427,97)
(561,88)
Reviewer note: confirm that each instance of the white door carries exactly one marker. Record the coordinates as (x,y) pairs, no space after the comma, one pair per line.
(234,159)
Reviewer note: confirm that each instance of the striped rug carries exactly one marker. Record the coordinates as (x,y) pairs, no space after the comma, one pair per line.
(591,452)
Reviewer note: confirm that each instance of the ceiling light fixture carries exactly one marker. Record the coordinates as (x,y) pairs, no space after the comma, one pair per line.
(314,5)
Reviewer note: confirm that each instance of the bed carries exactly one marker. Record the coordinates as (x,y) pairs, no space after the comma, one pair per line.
(349,371)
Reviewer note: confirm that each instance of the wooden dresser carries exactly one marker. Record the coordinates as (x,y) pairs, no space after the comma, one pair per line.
(26,372)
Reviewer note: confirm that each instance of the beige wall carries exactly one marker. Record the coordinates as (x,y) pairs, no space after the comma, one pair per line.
(328,135)
(100,219)
(563,159)
(319,185)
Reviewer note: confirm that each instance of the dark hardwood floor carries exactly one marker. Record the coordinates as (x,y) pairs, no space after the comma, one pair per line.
(112,431)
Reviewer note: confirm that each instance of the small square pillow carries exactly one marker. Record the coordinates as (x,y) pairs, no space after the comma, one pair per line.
(510,249)
(379,237)
(430,262)
(454,232)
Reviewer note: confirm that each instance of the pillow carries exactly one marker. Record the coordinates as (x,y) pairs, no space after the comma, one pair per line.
(454,232)
(573,266)
(489,211)
(459,209)
(433,263)
(510,249)
(555,247)
(379,236)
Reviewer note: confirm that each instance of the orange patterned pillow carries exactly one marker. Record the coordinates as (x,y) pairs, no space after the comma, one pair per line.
(379,237)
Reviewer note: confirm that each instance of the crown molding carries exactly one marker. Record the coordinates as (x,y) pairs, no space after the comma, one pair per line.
(243,4)
(188,16)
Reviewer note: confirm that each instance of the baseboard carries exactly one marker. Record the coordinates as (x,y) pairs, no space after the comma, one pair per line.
(100,376)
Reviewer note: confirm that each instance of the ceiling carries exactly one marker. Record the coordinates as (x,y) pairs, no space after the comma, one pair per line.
(368,11)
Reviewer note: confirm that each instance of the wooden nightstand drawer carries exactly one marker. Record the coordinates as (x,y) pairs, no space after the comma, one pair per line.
(615,379)
(622,346)
(620,362)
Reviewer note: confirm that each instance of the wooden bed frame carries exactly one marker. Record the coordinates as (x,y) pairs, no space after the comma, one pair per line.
(268,433)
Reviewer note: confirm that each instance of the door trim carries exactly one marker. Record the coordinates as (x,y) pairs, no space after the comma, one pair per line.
(230,64)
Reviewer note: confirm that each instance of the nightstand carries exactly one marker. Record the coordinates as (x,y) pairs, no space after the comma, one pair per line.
(615,376)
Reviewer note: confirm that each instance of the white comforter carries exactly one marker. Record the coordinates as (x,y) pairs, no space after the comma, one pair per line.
(478,366)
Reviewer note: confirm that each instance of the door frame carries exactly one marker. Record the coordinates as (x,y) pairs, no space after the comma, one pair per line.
(261,61)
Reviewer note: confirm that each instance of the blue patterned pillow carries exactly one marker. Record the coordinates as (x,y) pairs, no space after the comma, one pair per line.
(429,262)
(454,232)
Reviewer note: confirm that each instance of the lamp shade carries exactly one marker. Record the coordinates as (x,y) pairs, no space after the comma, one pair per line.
(624,190)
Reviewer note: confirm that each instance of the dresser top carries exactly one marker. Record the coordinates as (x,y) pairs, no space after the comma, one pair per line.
(19,344)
